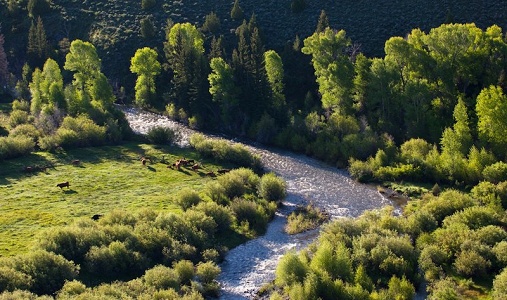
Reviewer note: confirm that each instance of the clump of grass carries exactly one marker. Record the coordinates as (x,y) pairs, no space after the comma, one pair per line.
(305,218)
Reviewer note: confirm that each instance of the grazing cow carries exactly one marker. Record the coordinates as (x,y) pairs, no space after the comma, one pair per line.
(190,161)
(76,162)
(96,217)
(63,184)
(223,171)
(143,161)
(183,162)
(211,174)
(196,167)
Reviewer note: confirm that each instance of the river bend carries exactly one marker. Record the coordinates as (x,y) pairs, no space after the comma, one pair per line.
(247,267)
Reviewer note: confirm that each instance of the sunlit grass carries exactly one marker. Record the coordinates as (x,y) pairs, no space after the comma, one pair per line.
(106,178)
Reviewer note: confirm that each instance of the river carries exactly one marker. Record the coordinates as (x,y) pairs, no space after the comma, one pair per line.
(247,267)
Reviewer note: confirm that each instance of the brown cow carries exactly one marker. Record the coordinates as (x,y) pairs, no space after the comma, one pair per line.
(63,184)
(211,174)
(196,167)
(76,162)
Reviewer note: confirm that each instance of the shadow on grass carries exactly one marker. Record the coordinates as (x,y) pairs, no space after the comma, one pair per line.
(69,192)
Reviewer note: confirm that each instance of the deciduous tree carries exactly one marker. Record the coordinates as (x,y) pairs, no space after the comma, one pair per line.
(144,63)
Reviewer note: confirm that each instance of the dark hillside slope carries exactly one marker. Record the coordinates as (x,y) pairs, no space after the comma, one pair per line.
(113,26)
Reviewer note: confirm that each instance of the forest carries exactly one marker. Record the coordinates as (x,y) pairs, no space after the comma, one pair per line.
(431,109)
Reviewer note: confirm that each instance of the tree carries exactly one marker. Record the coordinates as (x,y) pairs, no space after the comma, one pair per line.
(491,111)
(144,63)
(274,71)
(47,89)
(236,11)
(211,23)
(322,23)
(90,86)
(37,7)
(223,89)
(4,64)
(38,47)
(148,4)
(147,28)
(184,50)
(333,69)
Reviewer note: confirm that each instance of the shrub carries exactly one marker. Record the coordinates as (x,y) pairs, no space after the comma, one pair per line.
(222,216)
(361,171)
(21,105)
(11,147)
(500,251)
(216,192)
(500,285)
(47,270)
(187,198)
(414,151)
(71,289)
(114,261)
(290,270)
(470,263)
(496,172)
(246,211)
(162,136)
(305,218)
(18,117)
(272,188)
(80,132)
(473,217)
(162,277)
(393,173)
(11,279)
(185,271)
(27,130)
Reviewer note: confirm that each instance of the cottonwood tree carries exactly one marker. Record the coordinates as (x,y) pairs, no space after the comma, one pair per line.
(333,68)
(491,111)
(90,86)
(223,90)
(275,75)
(144,63)
(46,89)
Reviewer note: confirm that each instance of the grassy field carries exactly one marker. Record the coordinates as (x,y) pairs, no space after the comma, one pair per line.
(107,178)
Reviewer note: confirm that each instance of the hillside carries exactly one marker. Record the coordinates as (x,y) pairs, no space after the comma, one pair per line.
(114,26)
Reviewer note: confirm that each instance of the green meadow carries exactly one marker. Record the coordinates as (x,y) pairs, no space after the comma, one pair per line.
(106,179)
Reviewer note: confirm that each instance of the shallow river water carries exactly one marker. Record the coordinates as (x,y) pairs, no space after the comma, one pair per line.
(247,267)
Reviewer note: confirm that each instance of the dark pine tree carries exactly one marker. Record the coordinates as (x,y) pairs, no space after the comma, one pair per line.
(323,22)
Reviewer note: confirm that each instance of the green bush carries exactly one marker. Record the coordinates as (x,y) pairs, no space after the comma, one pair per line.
(473,217)
(187,198)
(18,117)
(114,260)
(272,188)
(162,136)
(290,270)
(222,216)
(185,271)
(11,147)
(496,172)
(48,271)
(162,277)
(500,285)
(471,264)
(361,171)
(27,130)
(21,105)
(80,132)
(246,211)
(11,279)
(400,172)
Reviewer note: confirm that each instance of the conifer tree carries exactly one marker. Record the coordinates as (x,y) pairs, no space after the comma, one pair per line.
(4,65)
(323,22)
(38,47)
(236,11)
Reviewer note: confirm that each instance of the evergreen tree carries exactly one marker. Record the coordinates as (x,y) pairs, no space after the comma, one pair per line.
(323,22)
(184,50)
(38,47)
(4,64)
(216,48)
(211,23)
(236,11)
(147,28)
